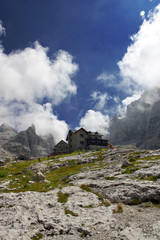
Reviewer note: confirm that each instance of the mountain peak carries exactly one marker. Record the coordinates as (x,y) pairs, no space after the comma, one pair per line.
(32,129)
(6,128)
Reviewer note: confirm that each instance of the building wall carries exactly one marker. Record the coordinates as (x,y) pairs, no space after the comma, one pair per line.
(77,141)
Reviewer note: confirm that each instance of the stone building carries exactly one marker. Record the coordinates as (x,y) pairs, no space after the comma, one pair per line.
(85,140)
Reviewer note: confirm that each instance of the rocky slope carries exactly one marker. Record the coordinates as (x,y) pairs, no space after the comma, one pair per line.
(141,125)
(26,143)
(107,194)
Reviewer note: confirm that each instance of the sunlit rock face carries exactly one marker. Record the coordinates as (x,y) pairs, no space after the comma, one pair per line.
(141,125)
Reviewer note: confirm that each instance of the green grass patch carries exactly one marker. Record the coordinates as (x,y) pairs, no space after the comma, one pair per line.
(67,211)
(3,172)
(135,201)
(130,169)
(150,203)
(20,176)
(151,158)
(132,159)
(135,154)
(20,181)
(70,154)
(110,178)
(37,236)
(150,178)
(100,158)
(99,152)
(20,167)
(60,176)
(62,197)
(156,205)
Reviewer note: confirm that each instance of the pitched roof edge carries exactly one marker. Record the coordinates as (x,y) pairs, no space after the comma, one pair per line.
(60,142)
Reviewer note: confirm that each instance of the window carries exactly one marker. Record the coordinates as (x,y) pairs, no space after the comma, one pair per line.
(81,142)
(81,135)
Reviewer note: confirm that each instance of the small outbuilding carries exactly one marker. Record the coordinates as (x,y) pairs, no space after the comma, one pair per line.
(61,148)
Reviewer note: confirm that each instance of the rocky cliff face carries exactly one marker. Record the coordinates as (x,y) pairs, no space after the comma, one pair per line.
(141,125)
(6,132)
(26,143)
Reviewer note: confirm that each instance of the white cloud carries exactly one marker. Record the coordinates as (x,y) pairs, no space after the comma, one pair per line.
(139,67)
(100,99)
(105,77)
(29,76)
(96,121)
(2,29)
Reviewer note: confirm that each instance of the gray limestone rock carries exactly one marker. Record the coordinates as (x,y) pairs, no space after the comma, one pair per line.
(125,163)
(31,214)
(38,177)
(85,212)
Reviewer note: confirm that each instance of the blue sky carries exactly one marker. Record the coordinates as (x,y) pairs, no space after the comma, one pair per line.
(66,63)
